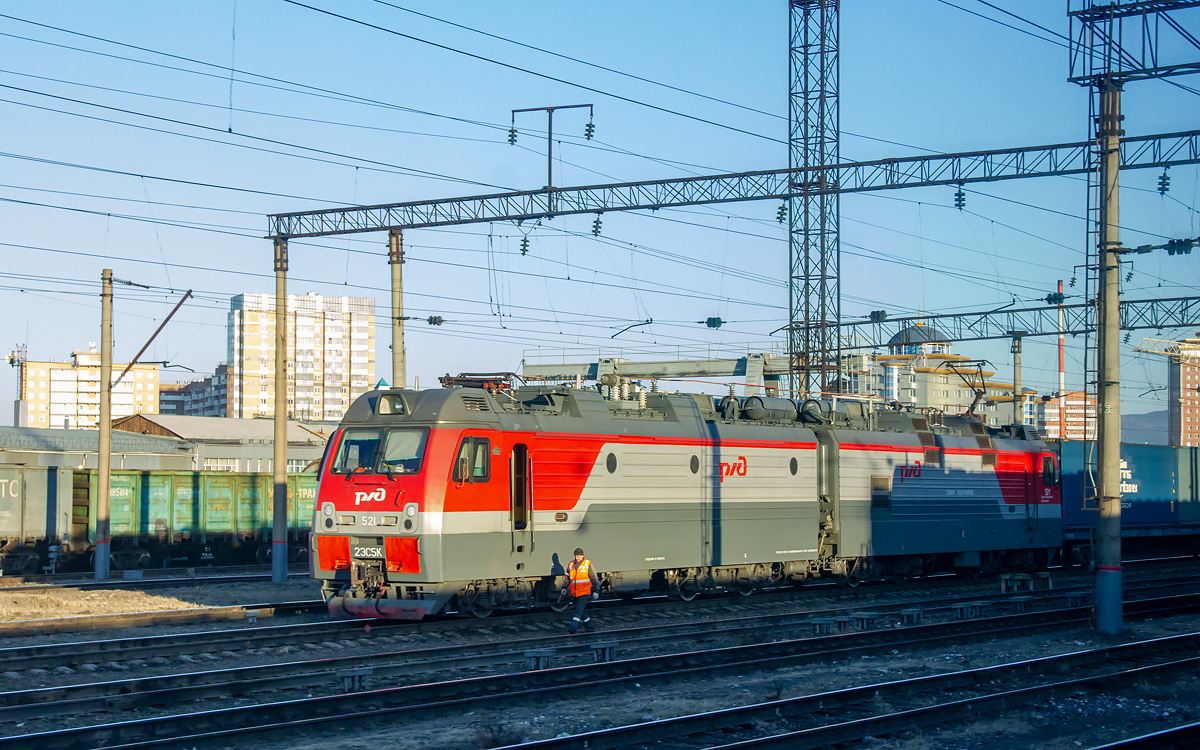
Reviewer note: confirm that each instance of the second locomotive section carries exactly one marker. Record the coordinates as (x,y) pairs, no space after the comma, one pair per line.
(473,499)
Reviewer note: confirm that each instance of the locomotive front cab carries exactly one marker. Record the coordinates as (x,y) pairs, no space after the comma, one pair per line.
(371,549)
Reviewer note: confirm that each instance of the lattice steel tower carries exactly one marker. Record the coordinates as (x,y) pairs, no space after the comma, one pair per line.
(814,285)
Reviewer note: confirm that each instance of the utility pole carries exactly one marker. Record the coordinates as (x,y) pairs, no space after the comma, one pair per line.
(1018,397)
(396,263)
(104,454)
(1108,366)
(279,540)
(1062,374)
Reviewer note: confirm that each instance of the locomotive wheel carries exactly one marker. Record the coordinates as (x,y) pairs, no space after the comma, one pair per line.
(481,612)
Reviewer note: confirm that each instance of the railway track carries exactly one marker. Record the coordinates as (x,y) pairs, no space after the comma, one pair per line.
(156,579)
(145,648)
(497,690)
(919,704)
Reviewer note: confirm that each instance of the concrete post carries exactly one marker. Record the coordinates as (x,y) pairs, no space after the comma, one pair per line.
(396,262)
(1018,397)
(279,558)
(104,457)
(1108,418)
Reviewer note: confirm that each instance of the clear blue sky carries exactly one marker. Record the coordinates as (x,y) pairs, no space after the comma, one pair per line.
(128,143)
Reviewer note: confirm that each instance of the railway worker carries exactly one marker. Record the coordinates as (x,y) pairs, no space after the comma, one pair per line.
(582,585)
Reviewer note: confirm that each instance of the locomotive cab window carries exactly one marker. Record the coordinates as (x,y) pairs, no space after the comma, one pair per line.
(473,463)
(377,451)
(1050,475)
(520,487)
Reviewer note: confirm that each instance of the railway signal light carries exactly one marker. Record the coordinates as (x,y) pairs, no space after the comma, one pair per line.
(512,136)
(960,199)
(589,130)
(596,226)
(1164,183)
(524,245)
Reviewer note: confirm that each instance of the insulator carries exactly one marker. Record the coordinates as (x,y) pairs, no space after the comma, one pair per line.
(960,199)
(1127,337)
(1072,283)
(524,245)
(589,130)
(1129,276)
(1055,298)
(512,135)
(1164,183)
(596,226)
(878,316)
(713,322)
(782,213)
(435,320)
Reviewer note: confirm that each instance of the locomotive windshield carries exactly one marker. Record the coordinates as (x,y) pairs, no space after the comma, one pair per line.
(377,451)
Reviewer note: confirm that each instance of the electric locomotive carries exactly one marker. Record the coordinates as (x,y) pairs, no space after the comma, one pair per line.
(473,497)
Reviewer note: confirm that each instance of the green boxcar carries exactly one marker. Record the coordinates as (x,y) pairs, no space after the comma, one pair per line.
(156,514)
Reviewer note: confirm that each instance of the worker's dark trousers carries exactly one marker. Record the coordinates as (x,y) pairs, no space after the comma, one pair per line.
(581,618)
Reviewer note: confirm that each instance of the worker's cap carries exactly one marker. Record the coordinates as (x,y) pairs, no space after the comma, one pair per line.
(579,550)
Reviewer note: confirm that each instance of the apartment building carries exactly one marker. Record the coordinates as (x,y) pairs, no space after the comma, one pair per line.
(920,371)
(1183,394)
(207,397)
(67,394)
(1069,416)
(330,351)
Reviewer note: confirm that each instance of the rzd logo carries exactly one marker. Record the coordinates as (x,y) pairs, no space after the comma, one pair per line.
(734,469)
(366,497)
(909,471)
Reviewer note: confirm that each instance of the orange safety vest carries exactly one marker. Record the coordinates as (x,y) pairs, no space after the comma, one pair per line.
(579,573)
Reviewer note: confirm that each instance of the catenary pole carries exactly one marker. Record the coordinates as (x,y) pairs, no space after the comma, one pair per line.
(104,457)
(396,263)
(279,557)
(1108,418)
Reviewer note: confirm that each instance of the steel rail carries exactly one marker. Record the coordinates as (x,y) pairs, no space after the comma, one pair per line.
(508,689)
(698,729)
(24,705)
(1185,737)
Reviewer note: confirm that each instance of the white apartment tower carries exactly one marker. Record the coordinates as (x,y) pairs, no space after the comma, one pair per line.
(330,353)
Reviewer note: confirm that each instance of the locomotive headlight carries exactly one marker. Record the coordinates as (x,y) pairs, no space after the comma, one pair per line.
(410,510)
(327,508)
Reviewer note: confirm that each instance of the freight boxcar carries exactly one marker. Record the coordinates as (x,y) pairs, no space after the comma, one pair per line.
(154,517)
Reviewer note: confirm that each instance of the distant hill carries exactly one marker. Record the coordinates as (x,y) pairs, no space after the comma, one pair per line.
(1150,428)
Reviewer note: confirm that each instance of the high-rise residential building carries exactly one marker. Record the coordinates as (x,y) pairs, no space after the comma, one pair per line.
(1067,416)
(67,394)
(1183,394)
(330,353)
(207,397)
(170,398)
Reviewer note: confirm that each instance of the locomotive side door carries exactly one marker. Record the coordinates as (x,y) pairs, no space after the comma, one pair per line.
(520,512)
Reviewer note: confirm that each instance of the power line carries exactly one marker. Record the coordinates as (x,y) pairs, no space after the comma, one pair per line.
(519,69)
